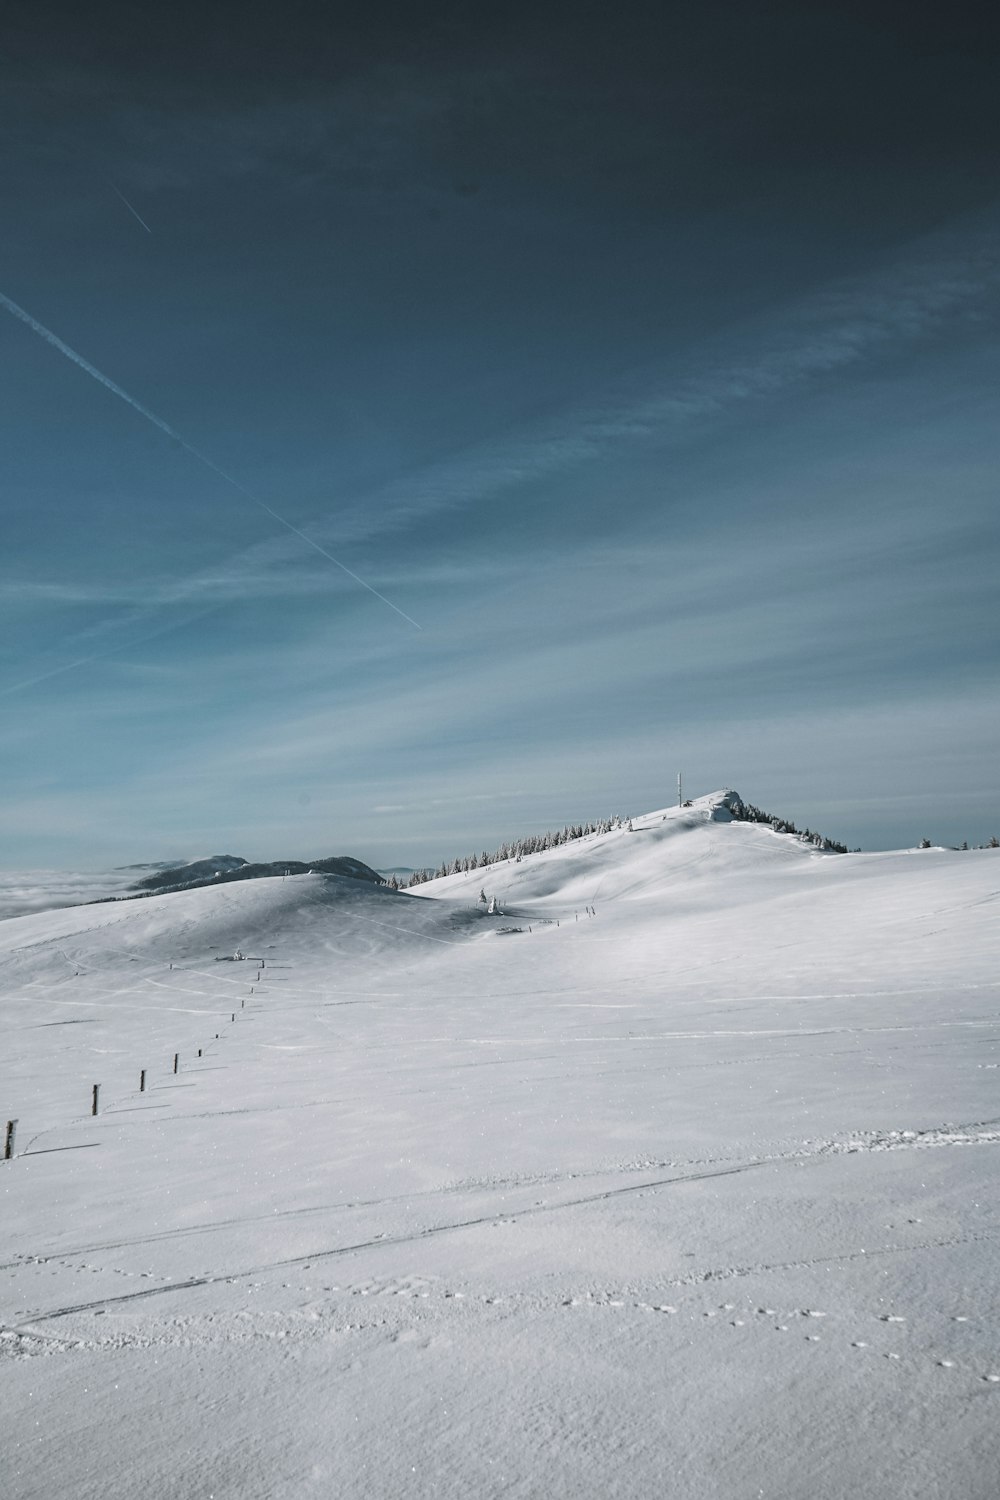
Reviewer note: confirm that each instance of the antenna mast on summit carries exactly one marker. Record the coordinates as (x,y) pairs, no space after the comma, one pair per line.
(680,794)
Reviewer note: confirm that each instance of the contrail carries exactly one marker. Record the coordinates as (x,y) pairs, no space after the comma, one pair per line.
(85,661)
(102,379)
(130,208)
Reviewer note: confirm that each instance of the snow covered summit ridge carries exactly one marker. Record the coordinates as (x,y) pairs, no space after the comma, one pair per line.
(661,853)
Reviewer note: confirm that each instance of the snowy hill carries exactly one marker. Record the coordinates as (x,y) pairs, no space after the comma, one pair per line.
(648,856)
(675,1175)
(220,868)
(46,890)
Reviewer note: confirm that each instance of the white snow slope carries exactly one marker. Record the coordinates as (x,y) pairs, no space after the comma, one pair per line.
(693,1197)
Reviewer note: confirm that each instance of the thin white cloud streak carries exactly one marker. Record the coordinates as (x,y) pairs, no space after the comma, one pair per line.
(376,133)
(580,612)
(830,331)
(102,379)
(96,656)
(384,808)
(224,586)
(762,752)
(131,210)
(668,629)
(203,595)
(834,329)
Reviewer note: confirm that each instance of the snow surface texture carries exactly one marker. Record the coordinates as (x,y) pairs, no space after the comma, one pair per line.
(694,1196)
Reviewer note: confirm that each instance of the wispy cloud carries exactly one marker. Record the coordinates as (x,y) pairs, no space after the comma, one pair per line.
(244,577)
(943,278)
(839,326)
(135,633)
(77,359)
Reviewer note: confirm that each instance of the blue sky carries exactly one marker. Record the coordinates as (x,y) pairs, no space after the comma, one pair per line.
(648,362)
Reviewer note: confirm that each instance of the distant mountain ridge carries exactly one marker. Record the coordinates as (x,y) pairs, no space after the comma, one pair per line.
(218,869)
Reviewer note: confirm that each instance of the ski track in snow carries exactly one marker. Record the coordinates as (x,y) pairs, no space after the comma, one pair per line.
(331,1312)
(976,1133)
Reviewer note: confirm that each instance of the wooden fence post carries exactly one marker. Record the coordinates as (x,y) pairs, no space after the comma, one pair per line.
(177,1059)
(96,1099)
(8,1149)
(142,1081)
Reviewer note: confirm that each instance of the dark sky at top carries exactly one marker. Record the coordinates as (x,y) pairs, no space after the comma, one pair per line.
(614,333)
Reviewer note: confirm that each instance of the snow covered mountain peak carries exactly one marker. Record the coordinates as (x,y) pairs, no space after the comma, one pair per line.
(721,806)
(654,854)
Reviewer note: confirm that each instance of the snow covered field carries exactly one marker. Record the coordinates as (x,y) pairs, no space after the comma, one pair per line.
(695,1196)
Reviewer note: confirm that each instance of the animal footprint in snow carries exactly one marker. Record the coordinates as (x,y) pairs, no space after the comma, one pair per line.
(392,1286)
(407,1336)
